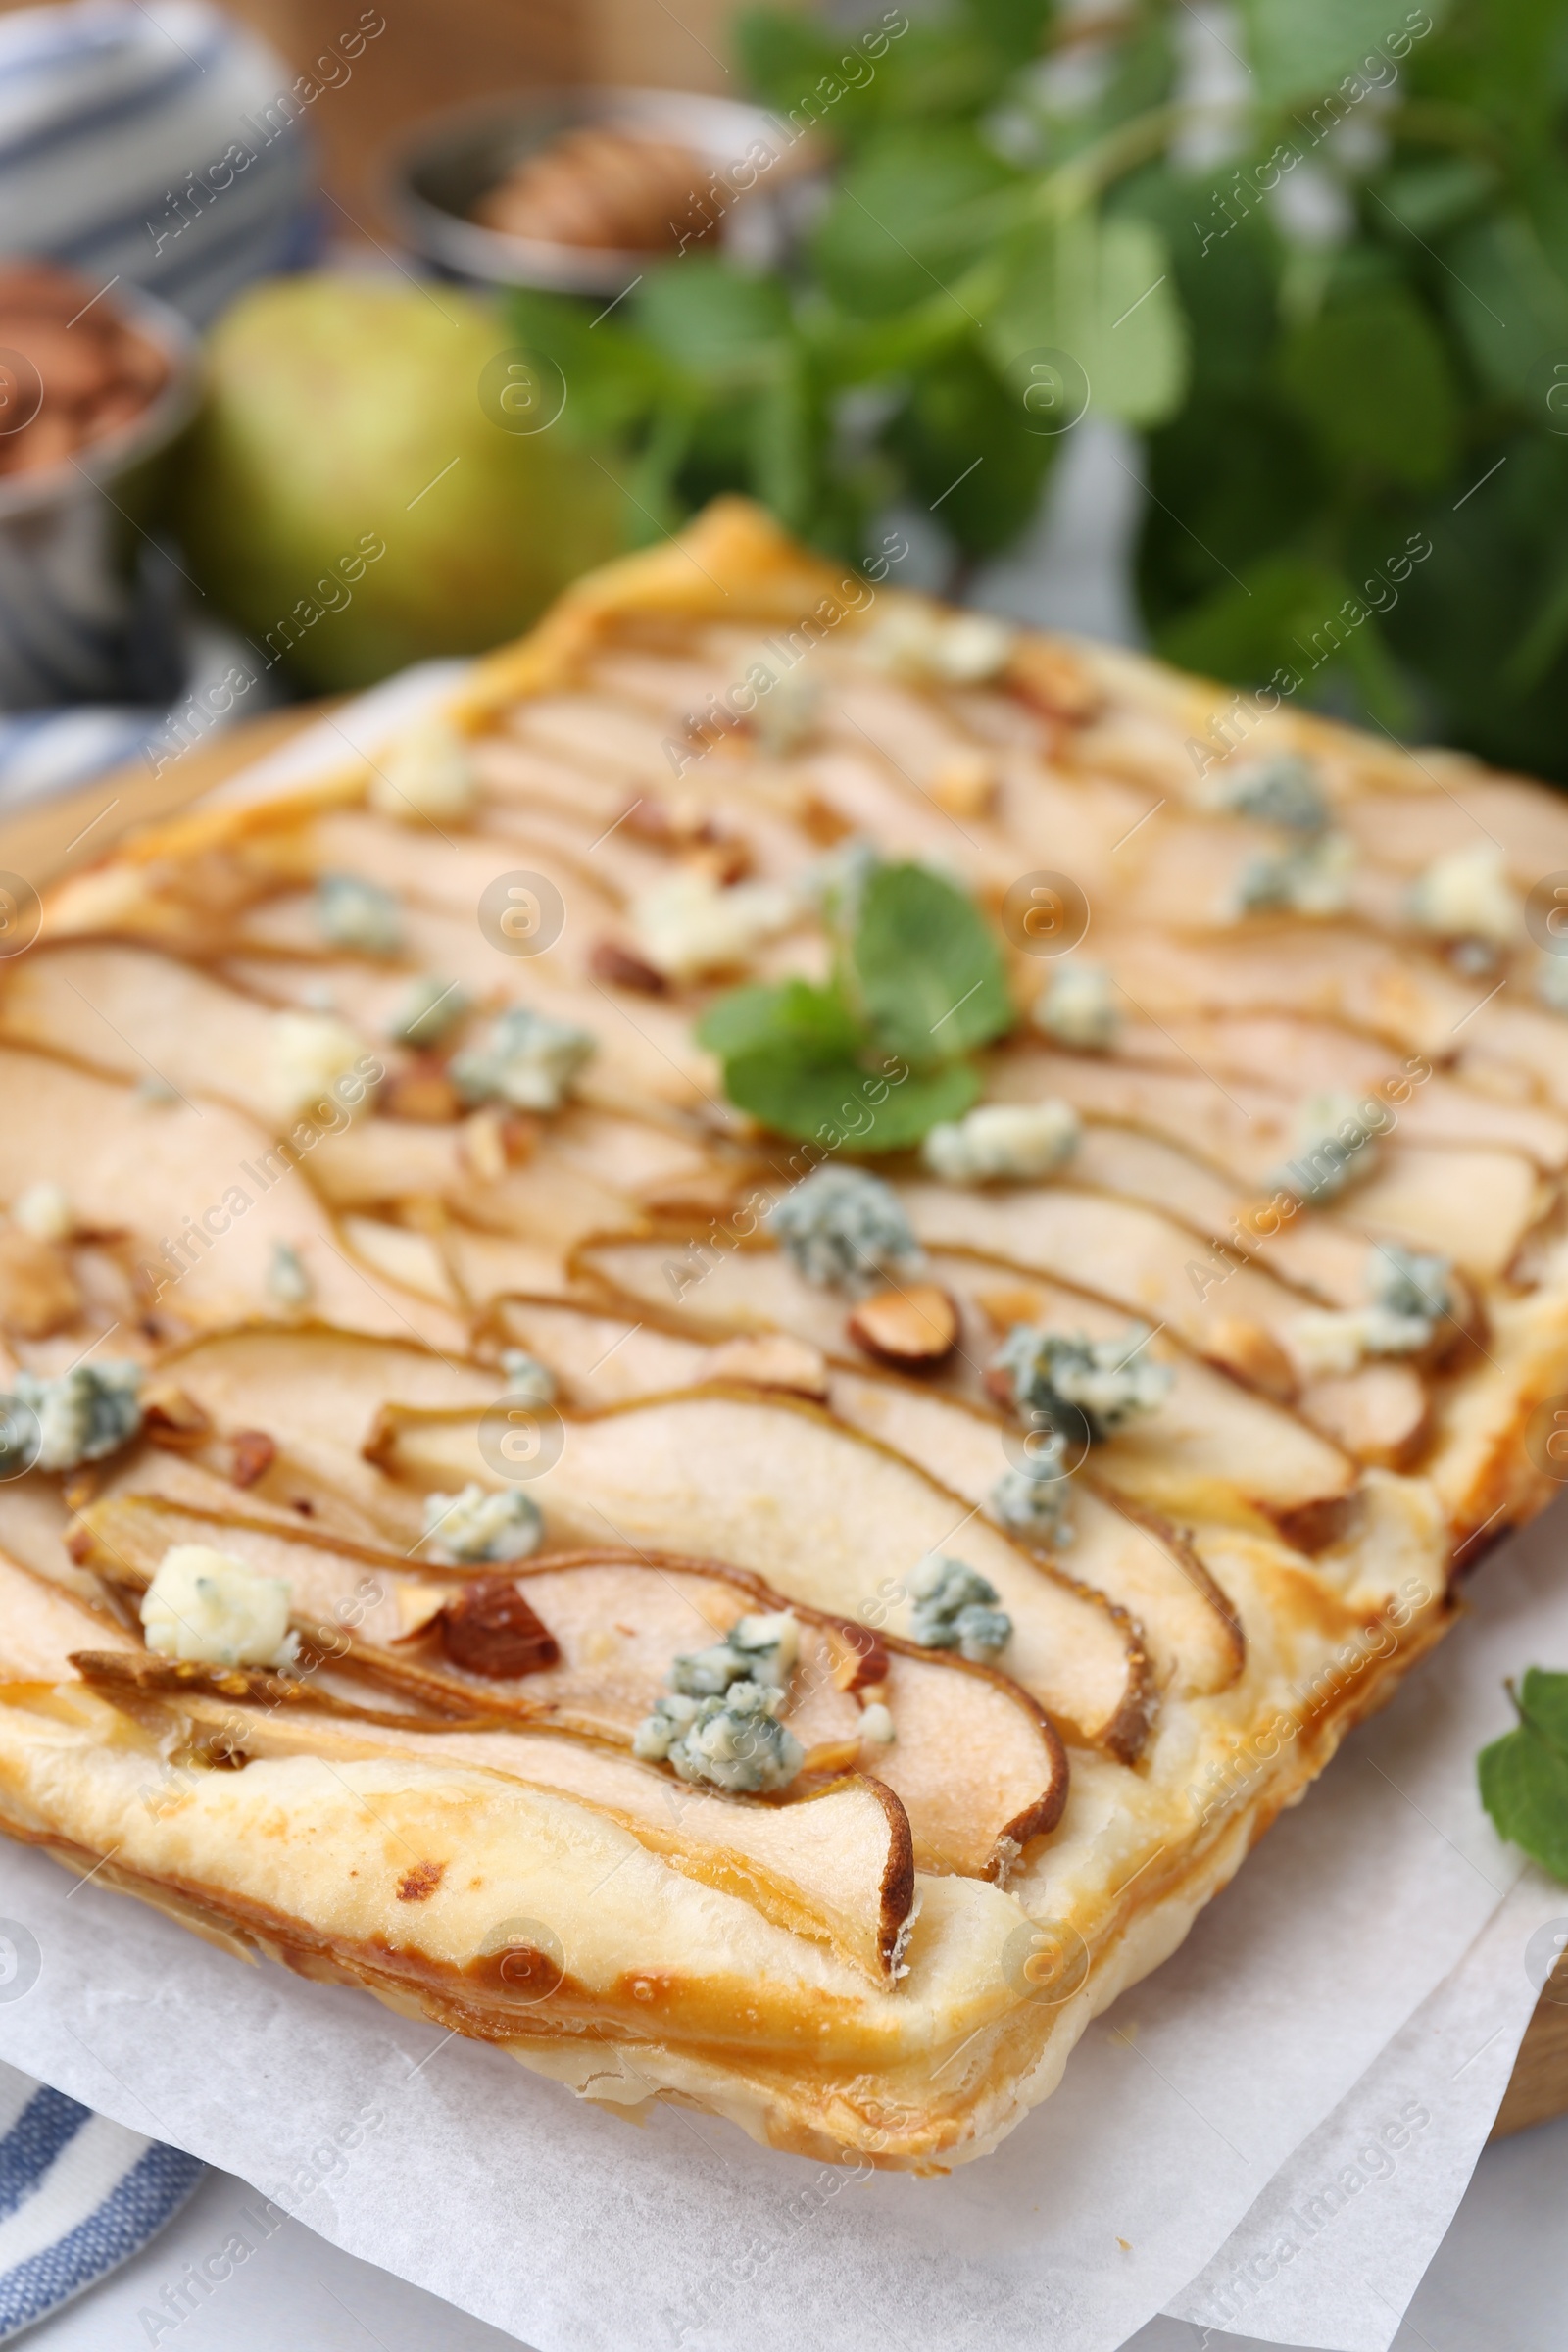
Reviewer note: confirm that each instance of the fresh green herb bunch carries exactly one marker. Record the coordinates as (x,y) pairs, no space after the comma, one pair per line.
(881,1054)
(1345,334)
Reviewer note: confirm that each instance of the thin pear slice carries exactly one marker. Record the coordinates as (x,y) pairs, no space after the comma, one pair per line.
(1298,1058)
(837,1866)
(315,1392)
(1313,1253)
(204,1195)
(1333,971)
(1211,1449)
(1193,1634)
(130,1012)
(42,1625)
(1252,1135)
(825,1515)
(978,1765)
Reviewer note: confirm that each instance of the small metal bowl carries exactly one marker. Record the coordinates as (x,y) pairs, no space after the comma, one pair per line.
(74,626)
(440,176)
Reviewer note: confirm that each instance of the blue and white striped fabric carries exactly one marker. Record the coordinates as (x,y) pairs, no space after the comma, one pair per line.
(78,2195)
(122,123)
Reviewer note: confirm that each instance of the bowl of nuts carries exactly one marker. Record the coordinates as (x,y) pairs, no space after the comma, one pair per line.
(581,190)
(95,384)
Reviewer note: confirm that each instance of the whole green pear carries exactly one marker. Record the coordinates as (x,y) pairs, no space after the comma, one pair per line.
(346,415)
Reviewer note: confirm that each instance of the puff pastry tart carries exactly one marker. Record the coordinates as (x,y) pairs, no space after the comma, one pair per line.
(723,1373)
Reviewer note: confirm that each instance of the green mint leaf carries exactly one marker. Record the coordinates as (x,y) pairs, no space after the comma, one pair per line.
(1400,422)
(930,975)
(1524,1786)
(791,1015)
(1296,52)
(1544,1704)
(1099,290)
(830,1098)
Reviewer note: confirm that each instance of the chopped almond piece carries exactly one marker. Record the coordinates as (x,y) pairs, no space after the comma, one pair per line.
(965,785)
(252,1454)
(38,1291)
(1015,1304)
(1382,1414)
(1254,1354)
(911,1329)
(864,1664)
(422,1092)
(770,1360)
(171,1418)
(618,967)
(1054,679)
(484,1145)
(489,1629)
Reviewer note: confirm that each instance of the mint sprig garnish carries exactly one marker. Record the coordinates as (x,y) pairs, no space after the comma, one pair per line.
(1524,1775)
(878,1056)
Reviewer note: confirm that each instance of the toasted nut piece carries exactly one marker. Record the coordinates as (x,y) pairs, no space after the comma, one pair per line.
(79,1491)
(423,1091)
(965,785)
(1382,1414)
(770,1360)
(1004,1308)
(489,1629)
(38,1291)
(822,822)
(1465,1325)
(913,1328)
(1054,679)
(483,1144)
(1254,1354)
(171,1418)
(252,1454)
(618,967)
(864,1662)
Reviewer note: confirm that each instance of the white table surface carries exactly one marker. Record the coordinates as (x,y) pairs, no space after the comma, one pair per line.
(1500,2282)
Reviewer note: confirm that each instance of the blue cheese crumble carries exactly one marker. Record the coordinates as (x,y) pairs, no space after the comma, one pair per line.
(718,1722)
(352,913)
(732,1741)
(1286,790)
(526,1377)
(526,1058)
(1067,1381)
(288,1285)
(87,1413)
(956,1608)
(1410,1290)
(756,1649)
(207,1606)
(844,1230)
(1033,1500)
(477,1526)
(1077,1007)
(428,1008)
(1335,1142)
(1004,1141)
(1312,878)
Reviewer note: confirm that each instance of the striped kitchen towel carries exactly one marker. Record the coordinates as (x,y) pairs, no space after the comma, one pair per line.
(78,2195)
(157,141)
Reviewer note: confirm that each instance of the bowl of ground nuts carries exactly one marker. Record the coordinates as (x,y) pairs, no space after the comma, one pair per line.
(95,384)
(582,190)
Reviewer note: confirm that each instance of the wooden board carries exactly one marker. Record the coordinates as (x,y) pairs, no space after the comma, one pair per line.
(79,825)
